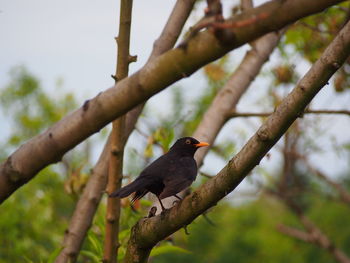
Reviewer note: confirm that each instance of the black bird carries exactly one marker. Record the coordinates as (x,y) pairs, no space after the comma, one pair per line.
(168,175)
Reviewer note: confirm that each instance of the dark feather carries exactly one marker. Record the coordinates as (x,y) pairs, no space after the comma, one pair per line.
(129,189)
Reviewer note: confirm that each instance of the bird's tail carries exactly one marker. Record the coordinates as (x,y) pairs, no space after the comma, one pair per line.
(128,189)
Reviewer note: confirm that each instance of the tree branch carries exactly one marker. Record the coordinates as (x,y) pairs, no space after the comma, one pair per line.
(173,28)
(343,193)
(246,4)
(149,231)
(266,114)
(50,146)
(294,232)
(115,171)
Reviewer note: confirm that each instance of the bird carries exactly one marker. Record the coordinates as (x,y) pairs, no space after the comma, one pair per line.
(168,175)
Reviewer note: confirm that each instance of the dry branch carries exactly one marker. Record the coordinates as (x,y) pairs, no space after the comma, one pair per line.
(50,146)
(118,140)
(148,232)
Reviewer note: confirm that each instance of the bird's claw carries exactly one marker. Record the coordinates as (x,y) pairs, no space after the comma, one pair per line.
(186,231)
(176,202)
(152,212)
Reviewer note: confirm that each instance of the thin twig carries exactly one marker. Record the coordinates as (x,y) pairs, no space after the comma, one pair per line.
(343,193)
(266,114)
(315,28)
(115,171)
(294,232)
(315,236)
(206,175)
(312,233)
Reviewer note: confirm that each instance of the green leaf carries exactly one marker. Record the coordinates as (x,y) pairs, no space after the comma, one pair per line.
(164,249)
(145,202)
(148,153)
(95,243)
(28,260)
(54,254)
(123,234)
(91,255)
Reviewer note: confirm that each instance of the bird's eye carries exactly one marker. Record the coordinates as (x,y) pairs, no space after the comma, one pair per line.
(188,141)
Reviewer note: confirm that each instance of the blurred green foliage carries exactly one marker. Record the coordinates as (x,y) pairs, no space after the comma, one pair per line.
(248,233)
(33,219)
(31,109)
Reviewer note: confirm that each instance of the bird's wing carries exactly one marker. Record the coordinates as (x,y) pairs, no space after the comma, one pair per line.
(172,187)
(156,171)
(180,175)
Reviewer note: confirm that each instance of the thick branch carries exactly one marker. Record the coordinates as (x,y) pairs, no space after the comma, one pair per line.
(50,146)
(147,232)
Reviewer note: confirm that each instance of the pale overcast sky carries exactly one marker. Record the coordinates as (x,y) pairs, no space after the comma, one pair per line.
(73,40)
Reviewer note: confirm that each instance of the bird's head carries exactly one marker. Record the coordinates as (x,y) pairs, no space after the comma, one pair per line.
(187,145)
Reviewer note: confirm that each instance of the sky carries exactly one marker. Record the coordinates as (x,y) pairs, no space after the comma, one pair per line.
(73,42)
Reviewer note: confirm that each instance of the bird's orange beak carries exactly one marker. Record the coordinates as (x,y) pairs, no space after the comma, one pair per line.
(201,144)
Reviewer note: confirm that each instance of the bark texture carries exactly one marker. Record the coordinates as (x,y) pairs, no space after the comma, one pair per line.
(149,231)
(204,47)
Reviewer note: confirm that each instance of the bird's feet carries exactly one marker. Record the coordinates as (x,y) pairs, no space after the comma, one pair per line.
(152,212)
(175,202)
